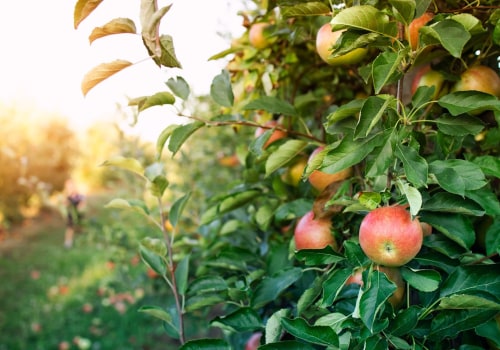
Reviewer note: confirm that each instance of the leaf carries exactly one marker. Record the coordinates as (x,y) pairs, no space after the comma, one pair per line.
(162,139)
(179,87)
(244,319)
(158,99)
(206,344)
(490,165)
(365,17)
(221,90)
(115,26)
(379,288)
(404,10)
(274,328)
(449,323)
(284,154)
(451,203)
(450,34)
(460,102)
(287,345)
(272,105)
(349,153)
(314,257)
(139,207)
(230,202)
(454,226)
(464,301)
(350,109)
(372,111)
(385,69)
(415,166)
(102,72)
(126,163)
(422,280)
(412,195)
(83,8)
(332,286)
(321,335)
(472,279)
(207,284)
(492,238)
(168,57)
(177,208)
(160,313)
(181,134)
(486,199)
(405,321)
(152,252)
(270,288)
(457,175)
(312,8)
(182,274)
(460,126)
(197,302)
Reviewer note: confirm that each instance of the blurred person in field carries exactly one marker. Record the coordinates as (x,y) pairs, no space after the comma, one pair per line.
(74,202)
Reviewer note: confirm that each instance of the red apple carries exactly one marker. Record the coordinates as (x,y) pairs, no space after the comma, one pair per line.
(412,32)
(425,76)
(256,35)
(311,233)
(326,38)
(393,274)
(275,136)
(320,180)
(389,236)
(253,342)
(479,78)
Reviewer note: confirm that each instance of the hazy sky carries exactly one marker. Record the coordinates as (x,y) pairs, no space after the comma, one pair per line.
(44,58)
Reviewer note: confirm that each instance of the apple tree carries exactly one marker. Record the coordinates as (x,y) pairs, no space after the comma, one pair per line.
(394,106)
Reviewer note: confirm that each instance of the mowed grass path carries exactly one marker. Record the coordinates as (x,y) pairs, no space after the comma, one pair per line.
(84,297)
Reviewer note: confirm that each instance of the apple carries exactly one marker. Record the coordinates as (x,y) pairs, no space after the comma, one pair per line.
(253,342)
(320,180)
(425,76)
(294,172)
(256,35)
(326,38)
(389,236)
(392,273)
(479,78)
(412,32)
(229,161)
(426,229)
(312,233)
(276,134)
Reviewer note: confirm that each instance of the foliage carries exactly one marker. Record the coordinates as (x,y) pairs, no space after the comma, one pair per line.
(438,156)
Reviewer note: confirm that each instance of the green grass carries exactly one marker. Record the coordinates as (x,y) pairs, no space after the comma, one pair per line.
(49,294)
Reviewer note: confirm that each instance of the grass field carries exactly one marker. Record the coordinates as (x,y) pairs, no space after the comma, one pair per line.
(85,297)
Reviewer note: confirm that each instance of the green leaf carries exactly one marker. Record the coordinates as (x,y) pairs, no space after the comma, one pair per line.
(179,87)
(181,134)
(314,257)
(460,126)
(450,34)
(321,335)
(284,154)
(385,69)
(158,99)
(207,284)
(412,195)
(349,153)
(221,89)
(378,289)
(177,208)
(460,102)
(197,302)
(490,330)
(404,10)
(486,199)
(472,279)
(451,203)
(312,8)
(127,163)
(415,166)
(137,206)
(456,227)
(405,321)
(230,202)
(206,344)
(160,313)
(350,109)
(332,286)
(365,17)
(422,280)
(287,345)
(242,320)
(167,57)
(272,105)
(464,301)
(383,156)
(153,251)
(457,175)
(472,24)
(492,238)
(449,323)
(182,274)
(270,288)
(274,328)
(372,111)
(490,165)
(162,139)
(422,6)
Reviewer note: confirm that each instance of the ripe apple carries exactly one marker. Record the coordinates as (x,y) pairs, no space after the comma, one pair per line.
(256,35)
(320,180)
(253,342)
(294,172)
(275,136)
(393,274)
(311,233)
(326,38)
(479,78)
(414,27)
(426,229)
(389,236)
(425,76)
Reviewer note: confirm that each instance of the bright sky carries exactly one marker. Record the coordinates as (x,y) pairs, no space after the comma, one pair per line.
(44,59)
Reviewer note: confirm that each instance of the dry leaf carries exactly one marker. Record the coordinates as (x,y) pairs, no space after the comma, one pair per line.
(102,72)
(83,8)
(115,26)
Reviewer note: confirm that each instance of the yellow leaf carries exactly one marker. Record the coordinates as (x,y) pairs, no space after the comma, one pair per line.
(83,8)
(115,26)
(102,72)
